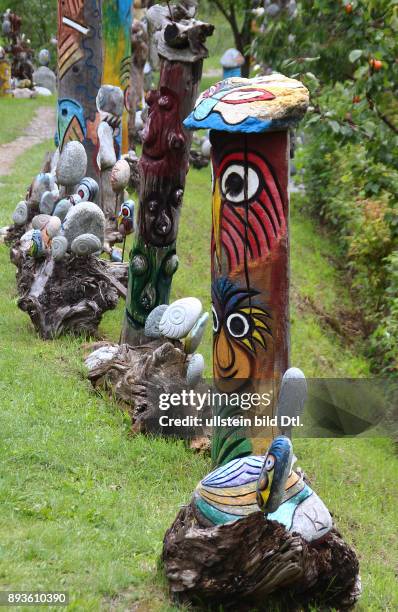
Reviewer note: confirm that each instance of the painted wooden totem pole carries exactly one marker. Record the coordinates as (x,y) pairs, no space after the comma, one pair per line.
(255,531)
(249,122)
(164,162)
(80,60)
(116,27)
(5,74)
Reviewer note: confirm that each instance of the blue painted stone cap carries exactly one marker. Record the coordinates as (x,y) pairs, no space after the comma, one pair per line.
(263,104)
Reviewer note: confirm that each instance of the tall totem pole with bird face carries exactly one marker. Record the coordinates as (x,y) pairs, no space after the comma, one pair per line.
(249,122)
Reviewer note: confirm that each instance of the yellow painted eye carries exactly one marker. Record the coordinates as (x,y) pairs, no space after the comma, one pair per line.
(269,462)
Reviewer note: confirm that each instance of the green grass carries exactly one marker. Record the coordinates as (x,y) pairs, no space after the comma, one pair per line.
(17,114)
(84,506)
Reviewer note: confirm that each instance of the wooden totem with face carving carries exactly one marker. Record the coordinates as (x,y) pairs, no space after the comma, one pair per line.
(249,122)
(164,163)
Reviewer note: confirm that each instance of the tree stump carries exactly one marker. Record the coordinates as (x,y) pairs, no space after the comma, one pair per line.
(255,562)
(66,296)
(136,376)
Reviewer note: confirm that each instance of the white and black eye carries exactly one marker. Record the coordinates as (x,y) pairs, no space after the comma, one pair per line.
(233,183)
(216,323)
(238,325)
(269,462)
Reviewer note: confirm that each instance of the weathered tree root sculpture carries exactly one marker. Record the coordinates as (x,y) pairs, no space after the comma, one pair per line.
(67,296)
(133,372)
(251,561)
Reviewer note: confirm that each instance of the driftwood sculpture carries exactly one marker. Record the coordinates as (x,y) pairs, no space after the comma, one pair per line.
(255,532)
(164,163)
(166,362)
(62,285)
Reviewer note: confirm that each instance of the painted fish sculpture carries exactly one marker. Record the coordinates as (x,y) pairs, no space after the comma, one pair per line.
(233,491)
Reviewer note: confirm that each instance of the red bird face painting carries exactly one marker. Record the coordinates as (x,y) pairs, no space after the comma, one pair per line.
(248,209)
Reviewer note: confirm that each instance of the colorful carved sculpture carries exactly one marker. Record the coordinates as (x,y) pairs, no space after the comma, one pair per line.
(116,25)
(5,74)
(163,165)
(249,122)
(80,59)
(297,553)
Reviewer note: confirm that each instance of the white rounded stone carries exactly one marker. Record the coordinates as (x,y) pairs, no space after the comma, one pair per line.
(180,317)
(195,369)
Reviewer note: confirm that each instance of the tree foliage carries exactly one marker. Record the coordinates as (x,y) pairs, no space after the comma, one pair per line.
(347,55)
(39,20)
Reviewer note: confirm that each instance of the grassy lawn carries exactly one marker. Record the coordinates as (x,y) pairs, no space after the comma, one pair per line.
(17,114)
(84,506)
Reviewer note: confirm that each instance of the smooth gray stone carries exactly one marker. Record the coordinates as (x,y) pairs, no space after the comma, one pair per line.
(47,203)
(153,321)
(42,91)
(72,164)
(41,183)
(86,244)
(110,99)
(84,218)
(44,57)
(195,369)
(59,247)
(40,221)
(62,208)
(101,355)
(106,154)
(20,214)
(45,77)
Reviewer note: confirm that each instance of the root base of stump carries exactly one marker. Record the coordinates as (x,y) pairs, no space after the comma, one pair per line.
(255,562)
(69,296)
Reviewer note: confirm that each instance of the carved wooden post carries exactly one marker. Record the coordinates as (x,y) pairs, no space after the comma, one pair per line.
(5,76)
(249,122)
(139,55)
(116,27)
(79,75)
(164,163)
